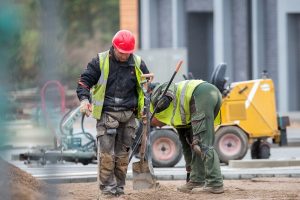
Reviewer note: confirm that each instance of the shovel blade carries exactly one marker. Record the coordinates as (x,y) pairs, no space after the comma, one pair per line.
(142,177)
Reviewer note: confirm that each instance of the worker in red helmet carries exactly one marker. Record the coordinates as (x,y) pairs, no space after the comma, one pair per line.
(116,100)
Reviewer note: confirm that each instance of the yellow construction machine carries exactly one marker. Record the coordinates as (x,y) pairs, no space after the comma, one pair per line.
(248,116)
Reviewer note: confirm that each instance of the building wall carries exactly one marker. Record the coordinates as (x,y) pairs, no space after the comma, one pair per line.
(199,5)
(249,35)
(164,23)
(200,44)
(162,62)
(270,39)
(293,42)
(241,45)
(288,59)
(129,17)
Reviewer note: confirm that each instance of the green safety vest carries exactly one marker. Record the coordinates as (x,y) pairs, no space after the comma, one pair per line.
(178,112)
(99,89)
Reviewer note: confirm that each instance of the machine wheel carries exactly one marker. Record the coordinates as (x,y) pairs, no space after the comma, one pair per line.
(86,162)
(231,143)
(260,150)
(166,148)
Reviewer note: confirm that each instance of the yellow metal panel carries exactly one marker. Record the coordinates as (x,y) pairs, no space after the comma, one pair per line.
(251,105)
(236,111)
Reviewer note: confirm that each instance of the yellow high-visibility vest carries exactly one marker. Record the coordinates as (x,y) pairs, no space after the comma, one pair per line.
(99,89)
(178,112)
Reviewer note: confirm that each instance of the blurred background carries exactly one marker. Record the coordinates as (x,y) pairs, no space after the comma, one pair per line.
(54,40)
(45,45)
(50,40)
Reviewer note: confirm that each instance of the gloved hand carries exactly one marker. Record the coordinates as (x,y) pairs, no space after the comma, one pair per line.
(196,145)
(85,107)
(156,122)
(163,103)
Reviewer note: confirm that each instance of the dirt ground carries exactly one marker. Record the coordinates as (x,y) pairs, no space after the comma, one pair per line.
(16,184)
(259,188)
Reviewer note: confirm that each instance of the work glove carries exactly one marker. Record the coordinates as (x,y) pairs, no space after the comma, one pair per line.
(85,107)
(163,103)
(196,145)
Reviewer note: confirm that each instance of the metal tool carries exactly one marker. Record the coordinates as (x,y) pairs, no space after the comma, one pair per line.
(143,173)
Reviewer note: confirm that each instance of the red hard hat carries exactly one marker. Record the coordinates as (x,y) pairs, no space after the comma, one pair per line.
(124,41)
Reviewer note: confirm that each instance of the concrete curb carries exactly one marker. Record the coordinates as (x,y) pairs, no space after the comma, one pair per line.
(262,163)
(178,173)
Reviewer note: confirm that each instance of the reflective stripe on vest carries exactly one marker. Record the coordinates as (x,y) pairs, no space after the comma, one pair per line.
(181,111)
(99,89)
(182,96)
(178,112)
(139,89)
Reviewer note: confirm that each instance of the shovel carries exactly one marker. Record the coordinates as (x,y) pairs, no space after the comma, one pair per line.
(142,171)
(143,174)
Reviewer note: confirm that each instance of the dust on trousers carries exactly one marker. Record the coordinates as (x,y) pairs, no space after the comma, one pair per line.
(115,133)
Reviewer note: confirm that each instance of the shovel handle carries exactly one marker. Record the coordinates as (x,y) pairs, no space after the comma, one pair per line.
(140,137)
(143,144)
(165,91)
(146,80)
(150,76)
(178,65)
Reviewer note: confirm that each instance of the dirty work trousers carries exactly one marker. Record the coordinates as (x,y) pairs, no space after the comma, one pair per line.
(115,132)
(204,107)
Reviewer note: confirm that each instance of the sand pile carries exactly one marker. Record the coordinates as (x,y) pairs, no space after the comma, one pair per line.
(16,184)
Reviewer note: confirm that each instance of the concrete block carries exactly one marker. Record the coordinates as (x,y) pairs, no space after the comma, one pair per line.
(231,176)
(295,175)
(282,175)
(261,163)
(247,176)
(165,177)
(265,175)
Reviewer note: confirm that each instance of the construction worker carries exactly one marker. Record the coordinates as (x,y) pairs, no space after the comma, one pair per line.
(117,99)
(191,107)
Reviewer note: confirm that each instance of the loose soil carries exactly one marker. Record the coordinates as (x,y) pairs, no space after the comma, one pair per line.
(258,188)
(16,184)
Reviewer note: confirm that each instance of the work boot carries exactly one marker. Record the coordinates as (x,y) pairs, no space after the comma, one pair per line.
(106,195)
(189,186)
(109,192)
(214,190)
(120,191)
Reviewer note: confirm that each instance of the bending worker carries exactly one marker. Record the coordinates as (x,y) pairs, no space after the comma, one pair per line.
(117,100)
(191,107)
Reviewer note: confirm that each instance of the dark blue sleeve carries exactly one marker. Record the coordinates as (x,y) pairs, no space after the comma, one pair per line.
(88,79)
